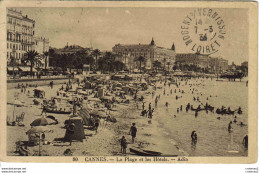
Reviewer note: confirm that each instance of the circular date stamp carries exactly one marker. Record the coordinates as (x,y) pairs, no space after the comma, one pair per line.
(203,31)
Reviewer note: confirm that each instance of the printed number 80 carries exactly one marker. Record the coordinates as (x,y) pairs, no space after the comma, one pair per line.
(75,159)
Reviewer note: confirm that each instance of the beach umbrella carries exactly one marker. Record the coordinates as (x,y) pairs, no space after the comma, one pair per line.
(43,122)
(119,85)
(16,103)
(107,97)
(62,92)
(94,112)
(51,117)
(94,99)
(38,129)
(39,89)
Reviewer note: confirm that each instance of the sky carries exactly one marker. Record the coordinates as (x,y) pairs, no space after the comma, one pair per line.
(102,28)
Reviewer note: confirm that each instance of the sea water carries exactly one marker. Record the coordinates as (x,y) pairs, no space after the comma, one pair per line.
(213,136)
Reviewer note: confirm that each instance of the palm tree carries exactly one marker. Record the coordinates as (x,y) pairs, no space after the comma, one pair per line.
(140,59)
(168,63)
(96,53)
(13,63)
(157,64)
(45,56)
(32,57)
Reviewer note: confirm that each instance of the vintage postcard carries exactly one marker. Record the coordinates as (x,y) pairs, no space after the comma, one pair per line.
(129,82)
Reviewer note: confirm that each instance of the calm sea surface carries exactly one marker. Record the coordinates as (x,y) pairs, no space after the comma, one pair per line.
(213,136)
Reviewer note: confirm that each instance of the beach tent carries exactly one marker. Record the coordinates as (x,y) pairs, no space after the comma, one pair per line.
(39,92)
(78,134)
(84,113)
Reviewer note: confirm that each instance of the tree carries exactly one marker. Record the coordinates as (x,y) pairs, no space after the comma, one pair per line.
(45,56)
(13,63)
(140,59)
(31,57)
(157,64)
(96,53)
(243,69)
(175,67)
(52,56)
(168,63)
(118,65)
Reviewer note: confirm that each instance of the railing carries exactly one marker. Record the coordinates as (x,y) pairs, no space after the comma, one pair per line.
(35,77)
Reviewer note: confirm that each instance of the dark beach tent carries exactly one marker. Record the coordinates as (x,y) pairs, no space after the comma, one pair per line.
(78,134)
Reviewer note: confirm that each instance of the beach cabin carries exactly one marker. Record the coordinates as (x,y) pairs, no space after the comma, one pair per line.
(39,92)
(78,134)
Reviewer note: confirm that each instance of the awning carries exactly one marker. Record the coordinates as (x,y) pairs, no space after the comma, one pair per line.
(11,69)
(27,69)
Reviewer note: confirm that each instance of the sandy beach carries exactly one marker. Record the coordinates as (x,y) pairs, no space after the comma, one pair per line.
(167,132)
(148,135)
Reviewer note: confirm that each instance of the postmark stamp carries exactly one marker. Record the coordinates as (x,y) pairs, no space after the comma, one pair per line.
(203,30)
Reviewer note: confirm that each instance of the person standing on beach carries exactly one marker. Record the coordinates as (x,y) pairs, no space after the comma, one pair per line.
(193,138)
(143,106)
(132,132)
(245,141)
(97,124)
(44,108)
(230,127)
(156,101)
(123,145)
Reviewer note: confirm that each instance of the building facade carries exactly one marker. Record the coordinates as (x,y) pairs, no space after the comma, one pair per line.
(212,64)
(150,52)
(41,45)
(197,59)
(20,33)
(218,65)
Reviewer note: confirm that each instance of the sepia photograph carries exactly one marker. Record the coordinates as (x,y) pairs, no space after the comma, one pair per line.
(112,84)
